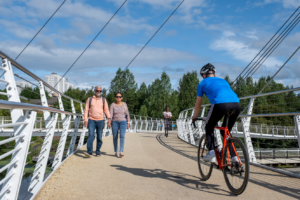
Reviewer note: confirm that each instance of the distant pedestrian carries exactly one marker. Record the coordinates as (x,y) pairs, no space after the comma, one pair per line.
(95,108)
(120,121)
(167,116)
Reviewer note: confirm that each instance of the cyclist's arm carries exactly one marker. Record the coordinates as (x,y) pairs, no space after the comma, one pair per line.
(197,107)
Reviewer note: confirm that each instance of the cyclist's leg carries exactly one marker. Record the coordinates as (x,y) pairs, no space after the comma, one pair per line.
(215,114)
(232,120)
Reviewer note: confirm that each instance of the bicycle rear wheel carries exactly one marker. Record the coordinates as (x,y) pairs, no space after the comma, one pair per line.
(236,175)
(205,168)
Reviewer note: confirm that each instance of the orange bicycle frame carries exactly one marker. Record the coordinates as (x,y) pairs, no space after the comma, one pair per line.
(225,143)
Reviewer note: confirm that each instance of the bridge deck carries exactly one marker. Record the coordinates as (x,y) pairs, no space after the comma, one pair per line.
(155,167)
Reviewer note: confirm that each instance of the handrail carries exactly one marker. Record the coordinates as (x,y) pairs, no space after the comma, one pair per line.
(20,67)
(257,95)
(271,114)
(26,106)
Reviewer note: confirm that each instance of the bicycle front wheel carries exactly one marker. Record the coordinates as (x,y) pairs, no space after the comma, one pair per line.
(205,168)
(236,174)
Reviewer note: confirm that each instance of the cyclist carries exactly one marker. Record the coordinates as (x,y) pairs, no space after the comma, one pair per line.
(222,98)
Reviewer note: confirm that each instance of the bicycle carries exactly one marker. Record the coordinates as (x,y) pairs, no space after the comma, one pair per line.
(234,172)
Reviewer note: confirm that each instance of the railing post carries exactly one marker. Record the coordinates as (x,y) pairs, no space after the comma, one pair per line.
(200,123)
(84,129)
(75,133)
(152,124)
(62,142)
(246,130)
(297,126)
(135,124)
(10,188)
(190,128)
(146,126)
(141,123)
(40,169)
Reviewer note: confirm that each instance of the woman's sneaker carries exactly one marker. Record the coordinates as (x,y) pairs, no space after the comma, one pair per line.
(117,154)
(210,156)
(121,154)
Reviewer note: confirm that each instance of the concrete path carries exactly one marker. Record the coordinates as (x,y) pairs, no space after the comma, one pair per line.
(155,167)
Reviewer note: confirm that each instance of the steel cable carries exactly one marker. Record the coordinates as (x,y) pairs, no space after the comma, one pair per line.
(281,39)
(151,38)
(40,30)
(90,44)
(265,45)
(272,46)
(277,46)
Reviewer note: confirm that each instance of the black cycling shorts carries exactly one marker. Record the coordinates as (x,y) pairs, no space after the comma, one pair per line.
(216,113)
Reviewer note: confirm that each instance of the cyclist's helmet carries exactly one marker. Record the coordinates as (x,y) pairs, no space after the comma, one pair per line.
(207,68)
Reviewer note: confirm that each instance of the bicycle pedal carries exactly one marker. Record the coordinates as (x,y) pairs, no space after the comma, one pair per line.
(242,169)
(216,165)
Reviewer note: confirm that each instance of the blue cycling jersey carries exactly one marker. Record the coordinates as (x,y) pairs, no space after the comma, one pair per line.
(217,91)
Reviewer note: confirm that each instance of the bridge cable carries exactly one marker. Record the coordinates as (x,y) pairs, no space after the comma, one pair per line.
(291,28)
(40,29)
(274,47)
(265,45)
(90,44)
(267,53)
(152,37)
(274,75)
(279,70)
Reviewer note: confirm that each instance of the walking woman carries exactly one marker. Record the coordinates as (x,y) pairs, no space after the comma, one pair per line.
(167,115)
(120,121)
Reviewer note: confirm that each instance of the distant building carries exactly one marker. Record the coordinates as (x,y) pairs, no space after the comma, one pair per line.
(22,84)
(62,86)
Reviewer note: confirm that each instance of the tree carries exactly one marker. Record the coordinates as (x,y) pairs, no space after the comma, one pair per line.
(187,89)
(124,82)
(159,96)
(143,111)
(30,93)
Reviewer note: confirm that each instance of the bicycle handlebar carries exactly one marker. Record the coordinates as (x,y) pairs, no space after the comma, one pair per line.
(198,118)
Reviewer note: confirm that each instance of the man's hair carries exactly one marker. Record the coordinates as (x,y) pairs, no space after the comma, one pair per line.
(95,88)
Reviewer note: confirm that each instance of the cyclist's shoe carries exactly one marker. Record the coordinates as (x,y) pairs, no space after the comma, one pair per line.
(235,159)
(210,157)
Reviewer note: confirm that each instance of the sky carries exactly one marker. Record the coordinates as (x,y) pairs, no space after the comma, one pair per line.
(227,34)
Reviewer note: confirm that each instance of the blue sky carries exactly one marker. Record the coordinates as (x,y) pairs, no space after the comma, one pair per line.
(227,34)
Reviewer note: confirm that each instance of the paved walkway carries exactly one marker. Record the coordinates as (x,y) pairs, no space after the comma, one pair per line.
(155,167)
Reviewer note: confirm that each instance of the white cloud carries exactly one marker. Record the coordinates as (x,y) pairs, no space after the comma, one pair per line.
(241,50)
(101,59)
(285,3)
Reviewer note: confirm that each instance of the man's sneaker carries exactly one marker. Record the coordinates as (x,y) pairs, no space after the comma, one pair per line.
(117,154)
(121,154)
(235,159)
(88,154)
(98,154)
(210,157)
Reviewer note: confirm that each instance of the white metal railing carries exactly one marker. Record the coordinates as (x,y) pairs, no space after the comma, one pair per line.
(22,125)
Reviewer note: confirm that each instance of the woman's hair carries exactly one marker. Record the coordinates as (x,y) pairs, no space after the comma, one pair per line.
(118,93)
(167,107)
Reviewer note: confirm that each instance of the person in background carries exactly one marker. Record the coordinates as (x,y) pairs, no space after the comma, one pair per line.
(95,108)
(167,116)
(120,121)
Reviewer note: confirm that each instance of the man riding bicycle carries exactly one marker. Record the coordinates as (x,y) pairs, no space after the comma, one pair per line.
(222,99)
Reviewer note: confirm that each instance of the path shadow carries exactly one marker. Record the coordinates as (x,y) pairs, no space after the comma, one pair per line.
(289,186)
(80,153)
(185,180)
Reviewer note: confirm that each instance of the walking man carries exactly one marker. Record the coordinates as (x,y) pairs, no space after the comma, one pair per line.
(95,108)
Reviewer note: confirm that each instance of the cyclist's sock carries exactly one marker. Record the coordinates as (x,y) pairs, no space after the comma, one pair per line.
(211,152)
